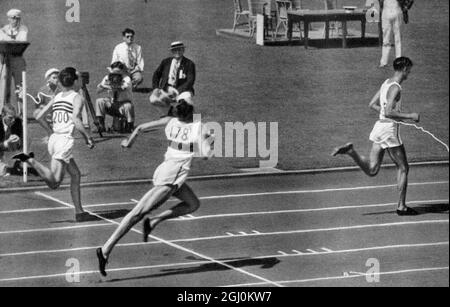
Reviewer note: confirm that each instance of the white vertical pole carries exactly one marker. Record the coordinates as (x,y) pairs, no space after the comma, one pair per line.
(260,29)
(25,124)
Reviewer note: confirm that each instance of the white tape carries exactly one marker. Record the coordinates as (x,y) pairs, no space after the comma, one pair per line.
(423,130)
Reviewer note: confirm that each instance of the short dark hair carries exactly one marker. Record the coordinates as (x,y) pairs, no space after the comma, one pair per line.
(401,63)
(118,65)
(67,76)
(184,111)
(127,30)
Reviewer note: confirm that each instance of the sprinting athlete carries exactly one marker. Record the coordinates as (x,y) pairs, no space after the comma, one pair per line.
(385,134)
(66,109)
(184,136)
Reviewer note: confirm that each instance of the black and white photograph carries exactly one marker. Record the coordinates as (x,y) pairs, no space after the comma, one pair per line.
(246,145)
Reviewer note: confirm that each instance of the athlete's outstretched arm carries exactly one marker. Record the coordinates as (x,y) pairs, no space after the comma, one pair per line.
(393,92)
(162,122)
(375,102)
(76,117)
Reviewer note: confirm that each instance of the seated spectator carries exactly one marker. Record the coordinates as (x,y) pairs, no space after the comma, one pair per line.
(10,134)
(174,76)
(118,101)
(130,53)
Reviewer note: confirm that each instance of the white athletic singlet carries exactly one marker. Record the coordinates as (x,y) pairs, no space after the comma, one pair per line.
(383,98)
(184,139)
(62,113)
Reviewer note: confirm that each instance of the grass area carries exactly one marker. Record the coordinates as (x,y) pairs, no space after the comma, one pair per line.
(319,97)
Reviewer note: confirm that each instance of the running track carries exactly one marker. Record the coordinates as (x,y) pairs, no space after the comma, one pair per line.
(277,230)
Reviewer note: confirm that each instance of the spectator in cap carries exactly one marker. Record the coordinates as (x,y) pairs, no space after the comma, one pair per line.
(130,54)
(174,74)
(45,94)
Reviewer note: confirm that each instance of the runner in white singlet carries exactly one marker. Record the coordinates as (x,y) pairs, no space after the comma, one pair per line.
(385,133)
(66,117)
(185,138)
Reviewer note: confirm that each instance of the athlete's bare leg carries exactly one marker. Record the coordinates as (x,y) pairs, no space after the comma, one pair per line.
(369,166)
(75,178)
(189,204)
(152,200)
(398,155)
(53,176)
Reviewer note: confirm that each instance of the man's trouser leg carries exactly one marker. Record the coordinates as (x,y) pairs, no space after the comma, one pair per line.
(101,108)
(397,36)
(387,34)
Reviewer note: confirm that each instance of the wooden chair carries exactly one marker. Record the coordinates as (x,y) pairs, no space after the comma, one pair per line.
(283,6)
(238,13)
(270,15)
(255,7)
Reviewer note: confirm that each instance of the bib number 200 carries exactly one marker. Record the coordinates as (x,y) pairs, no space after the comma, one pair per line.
(60,117)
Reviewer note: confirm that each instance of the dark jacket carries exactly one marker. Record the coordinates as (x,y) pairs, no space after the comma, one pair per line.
(185,75)
(16,129)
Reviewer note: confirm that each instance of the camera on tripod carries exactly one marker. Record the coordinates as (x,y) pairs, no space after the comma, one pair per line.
(85,77)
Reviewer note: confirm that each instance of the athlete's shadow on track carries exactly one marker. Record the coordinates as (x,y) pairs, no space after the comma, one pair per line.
(423,209)
(110,215)
(265,263)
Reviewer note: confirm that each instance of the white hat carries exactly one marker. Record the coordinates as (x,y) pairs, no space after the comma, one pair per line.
(186,96)
(14,13)
(50,72)
(176,45)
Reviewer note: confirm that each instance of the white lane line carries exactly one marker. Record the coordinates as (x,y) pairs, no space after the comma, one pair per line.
(223,176)
(326,249)
(237,214)
(176,246)
(282,253)
(229,234)
(64,208)
(321,190)
(312,251)
(240,234)
(54,228)
(356,273)
(297,254)
(418,270)
(288,232)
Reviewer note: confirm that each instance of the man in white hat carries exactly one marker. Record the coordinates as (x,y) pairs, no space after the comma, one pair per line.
(175,75)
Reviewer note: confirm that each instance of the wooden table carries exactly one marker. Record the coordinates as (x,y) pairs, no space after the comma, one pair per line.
(340,15)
